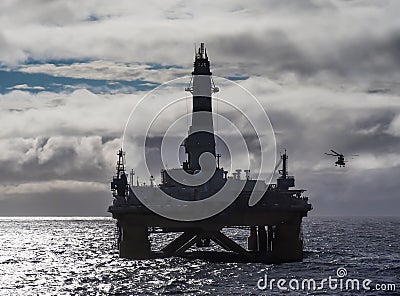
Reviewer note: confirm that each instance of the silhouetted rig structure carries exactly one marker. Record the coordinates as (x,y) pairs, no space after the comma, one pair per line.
(273,224)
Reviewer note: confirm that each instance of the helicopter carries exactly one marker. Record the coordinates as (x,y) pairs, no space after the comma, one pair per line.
(340,158)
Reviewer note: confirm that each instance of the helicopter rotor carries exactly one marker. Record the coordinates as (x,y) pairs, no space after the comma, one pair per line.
(336,153)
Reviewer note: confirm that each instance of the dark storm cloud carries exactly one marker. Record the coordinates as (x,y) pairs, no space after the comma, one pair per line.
(350,193)
(272,49)
(370,135)
(306,157)
(344,130)
(365,57)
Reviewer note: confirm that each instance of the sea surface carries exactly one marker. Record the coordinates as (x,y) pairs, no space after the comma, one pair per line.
(77,256)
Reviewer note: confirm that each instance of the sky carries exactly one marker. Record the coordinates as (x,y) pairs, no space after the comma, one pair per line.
(326,72)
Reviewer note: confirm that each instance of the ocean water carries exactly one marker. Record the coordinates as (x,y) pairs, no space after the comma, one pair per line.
(77,256)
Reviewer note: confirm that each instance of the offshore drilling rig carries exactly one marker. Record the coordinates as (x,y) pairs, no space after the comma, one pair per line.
(273,224)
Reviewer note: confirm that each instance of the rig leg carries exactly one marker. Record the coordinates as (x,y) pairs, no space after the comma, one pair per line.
(252,239)
(287,244)
(134,243)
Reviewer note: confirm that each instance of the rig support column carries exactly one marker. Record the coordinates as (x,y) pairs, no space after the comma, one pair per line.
(287,244)
(252,239)
(134,242)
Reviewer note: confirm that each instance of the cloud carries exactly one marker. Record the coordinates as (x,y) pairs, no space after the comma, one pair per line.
(57,158)
(108,70)
(80,133)
(325,71)
(317,41)
(51,114)
(26,87)
(394,127)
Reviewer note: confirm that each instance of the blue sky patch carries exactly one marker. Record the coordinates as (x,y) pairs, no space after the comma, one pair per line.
(37,82)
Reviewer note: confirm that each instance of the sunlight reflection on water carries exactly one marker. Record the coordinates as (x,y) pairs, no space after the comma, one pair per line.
(77,256)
